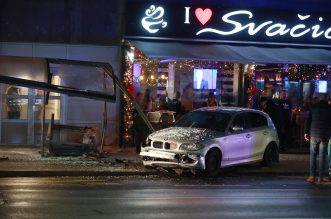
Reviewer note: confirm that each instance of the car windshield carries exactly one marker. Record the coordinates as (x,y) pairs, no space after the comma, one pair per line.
(216,121)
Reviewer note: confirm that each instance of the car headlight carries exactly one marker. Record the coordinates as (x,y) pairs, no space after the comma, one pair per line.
(147,142)
(190,146)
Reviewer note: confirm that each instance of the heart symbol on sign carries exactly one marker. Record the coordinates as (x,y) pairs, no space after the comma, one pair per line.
(203,15)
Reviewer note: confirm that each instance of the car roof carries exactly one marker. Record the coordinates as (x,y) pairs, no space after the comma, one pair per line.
(230,110)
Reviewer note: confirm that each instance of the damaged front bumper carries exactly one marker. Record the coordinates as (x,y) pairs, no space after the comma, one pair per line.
(172,159)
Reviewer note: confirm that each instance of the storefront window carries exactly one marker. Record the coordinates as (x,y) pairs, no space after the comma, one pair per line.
(22,113)
(15,102)
(195,80)
(53,106)
(191,80)
(14,119)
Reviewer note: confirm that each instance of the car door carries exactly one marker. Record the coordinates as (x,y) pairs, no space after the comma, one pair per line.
(238,144)
(261,131)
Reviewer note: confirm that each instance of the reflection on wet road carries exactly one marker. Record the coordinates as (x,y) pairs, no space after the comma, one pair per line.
(163,197)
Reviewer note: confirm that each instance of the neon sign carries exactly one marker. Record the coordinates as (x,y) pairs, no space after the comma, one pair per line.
(153,22)
(222,22)
(270,28)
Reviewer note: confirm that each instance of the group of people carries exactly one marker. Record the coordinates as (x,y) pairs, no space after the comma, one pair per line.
(280,112)
(147,104)
(317,129)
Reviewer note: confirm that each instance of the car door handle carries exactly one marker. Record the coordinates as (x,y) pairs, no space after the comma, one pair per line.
(265,132)
(248,136)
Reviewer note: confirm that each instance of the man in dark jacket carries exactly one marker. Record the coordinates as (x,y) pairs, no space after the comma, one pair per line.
(273,109)
(317,129)
(286,109)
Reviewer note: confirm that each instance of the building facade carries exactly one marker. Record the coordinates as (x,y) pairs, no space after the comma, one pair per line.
(177,38)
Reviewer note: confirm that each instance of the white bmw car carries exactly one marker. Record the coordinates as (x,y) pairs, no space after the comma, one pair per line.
(211,138)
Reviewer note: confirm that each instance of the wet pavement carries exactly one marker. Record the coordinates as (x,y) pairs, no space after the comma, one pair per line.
(226,196)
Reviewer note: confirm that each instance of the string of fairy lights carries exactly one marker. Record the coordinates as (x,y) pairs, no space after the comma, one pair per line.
(149,69)
(309,72)
(189,65)
(127,103)
(296,72)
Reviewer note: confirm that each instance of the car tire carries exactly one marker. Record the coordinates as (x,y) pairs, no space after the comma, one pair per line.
(213,163)
(150,167)
(269,156)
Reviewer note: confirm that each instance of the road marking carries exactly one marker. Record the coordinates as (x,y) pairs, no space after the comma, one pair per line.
(212,185)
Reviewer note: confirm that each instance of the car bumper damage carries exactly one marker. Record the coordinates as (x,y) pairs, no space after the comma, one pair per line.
(153,157)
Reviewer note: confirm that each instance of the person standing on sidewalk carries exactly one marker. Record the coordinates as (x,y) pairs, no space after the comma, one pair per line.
(317,130)
(329,148)
(286,109)
(329,156)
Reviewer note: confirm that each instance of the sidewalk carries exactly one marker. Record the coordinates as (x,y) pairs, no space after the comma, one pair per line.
(27,162)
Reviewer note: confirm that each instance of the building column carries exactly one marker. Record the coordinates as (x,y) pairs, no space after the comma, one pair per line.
(31,120)
(238,84)
(171,81)
(162,82)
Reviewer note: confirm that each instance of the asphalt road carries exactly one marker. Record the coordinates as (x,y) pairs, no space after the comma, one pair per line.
(164,197)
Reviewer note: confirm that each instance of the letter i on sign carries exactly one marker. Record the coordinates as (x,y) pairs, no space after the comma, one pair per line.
(187,15)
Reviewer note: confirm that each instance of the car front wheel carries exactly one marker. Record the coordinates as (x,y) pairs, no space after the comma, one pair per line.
(213,163)
(270,155)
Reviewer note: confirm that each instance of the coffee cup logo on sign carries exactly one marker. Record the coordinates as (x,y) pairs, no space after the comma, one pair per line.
(154,21)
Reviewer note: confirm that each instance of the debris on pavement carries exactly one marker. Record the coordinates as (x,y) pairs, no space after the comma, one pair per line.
(4,158)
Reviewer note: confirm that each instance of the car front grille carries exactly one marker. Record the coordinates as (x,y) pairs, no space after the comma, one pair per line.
(170,146)
(164,145)
(158,144)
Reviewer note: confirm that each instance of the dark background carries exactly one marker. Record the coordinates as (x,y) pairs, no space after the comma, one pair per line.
(61,21)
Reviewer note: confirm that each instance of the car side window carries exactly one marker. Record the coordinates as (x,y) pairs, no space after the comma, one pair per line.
(238,121)
(221,121)
(242,120)
(258,120)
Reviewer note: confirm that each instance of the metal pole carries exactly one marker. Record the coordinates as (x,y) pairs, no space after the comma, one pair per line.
(241,85)
(135,103)
(104,125)
(43,126)
(104,122)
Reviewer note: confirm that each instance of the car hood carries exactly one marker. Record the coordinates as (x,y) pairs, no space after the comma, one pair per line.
(184,134)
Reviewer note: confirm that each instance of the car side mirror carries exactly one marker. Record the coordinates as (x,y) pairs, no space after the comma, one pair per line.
(237,128)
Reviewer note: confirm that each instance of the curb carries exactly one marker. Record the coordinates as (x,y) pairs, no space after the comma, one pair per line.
(14,174)
(6,174)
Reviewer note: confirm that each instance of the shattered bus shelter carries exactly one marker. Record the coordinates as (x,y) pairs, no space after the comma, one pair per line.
(94,80)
